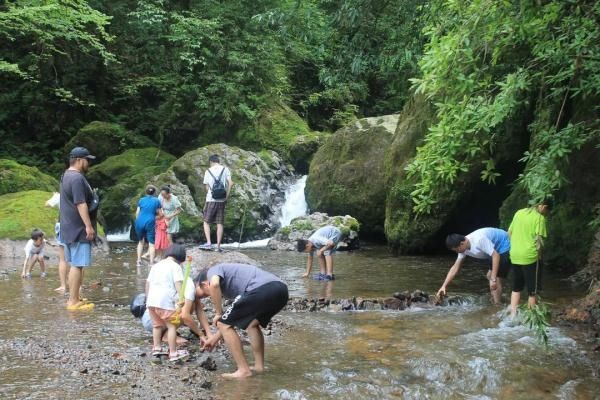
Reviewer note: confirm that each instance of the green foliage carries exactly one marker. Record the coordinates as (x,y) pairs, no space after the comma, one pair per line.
(484,61)
(15,177)
(48,51)
(537,318)
(302,225)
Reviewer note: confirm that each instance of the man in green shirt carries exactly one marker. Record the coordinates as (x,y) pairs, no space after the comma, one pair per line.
(527,231)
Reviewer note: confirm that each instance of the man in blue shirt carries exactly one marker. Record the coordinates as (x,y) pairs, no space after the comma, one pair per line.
(324,241)
(484,244)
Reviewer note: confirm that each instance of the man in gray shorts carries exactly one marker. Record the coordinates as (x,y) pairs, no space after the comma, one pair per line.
(257,296)
(214,207)
(324,241)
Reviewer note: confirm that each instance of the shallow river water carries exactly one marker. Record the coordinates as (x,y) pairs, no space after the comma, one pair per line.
(453,352)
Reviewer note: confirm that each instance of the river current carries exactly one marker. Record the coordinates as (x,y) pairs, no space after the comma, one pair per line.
(456,352)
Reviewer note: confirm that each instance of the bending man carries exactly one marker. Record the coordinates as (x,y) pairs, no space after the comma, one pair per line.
(257,296)
(484,244)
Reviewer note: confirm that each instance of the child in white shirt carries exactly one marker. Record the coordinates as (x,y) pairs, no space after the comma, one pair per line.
(34,252)
(162,294)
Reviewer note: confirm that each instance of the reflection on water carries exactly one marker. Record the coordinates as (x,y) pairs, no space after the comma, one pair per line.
(451,353)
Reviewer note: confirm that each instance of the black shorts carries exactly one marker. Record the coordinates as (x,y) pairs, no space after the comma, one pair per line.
(525,275)
(261,303)
(504,267)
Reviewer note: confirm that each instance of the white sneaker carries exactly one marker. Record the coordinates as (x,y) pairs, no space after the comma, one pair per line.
(43,275)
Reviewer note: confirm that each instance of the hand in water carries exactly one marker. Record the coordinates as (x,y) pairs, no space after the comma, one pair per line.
(305,275)
(441,292)
(493,285)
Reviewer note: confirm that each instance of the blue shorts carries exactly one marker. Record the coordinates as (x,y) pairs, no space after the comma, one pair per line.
(79,254)
(145,230)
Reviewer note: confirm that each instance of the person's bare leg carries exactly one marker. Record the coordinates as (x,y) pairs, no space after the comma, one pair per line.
(172,338)
(140,248)
(157,333)
(329,264)
(532,301)
(257,342)
(170,238)
(497,294)
(234,344)
(151,251)
(63,269)
(219,234)
(42,264)
(207,232)
(75,274)
(322,265)
(515,298)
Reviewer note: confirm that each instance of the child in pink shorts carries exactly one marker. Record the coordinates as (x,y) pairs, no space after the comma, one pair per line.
(162,294)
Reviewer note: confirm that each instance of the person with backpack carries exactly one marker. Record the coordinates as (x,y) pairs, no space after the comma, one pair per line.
(217,180)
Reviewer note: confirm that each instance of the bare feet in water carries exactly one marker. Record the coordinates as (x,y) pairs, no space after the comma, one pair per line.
(60,289)
(238,374)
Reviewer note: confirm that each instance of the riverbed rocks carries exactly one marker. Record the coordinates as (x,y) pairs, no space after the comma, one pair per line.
(398,301)
(347,173)
(302,227)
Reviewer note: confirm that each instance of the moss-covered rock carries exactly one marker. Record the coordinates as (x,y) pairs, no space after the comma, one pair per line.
(347,173)
(21,212)
(127,164)
(280,129)
(15,177)
(302,227)
(465,206)
(122,179)
(257,195)
(104,139)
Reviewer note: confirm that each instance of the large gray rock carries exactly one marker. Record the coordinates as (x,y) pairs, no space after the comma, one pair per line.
(256,198)
(303,227)
(347,173)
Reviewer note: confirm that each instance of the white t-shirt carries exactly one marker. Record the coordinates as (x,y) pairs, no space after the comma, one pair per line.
(208,179)
(190,290)
(161,290)
(31,249)
(481,246)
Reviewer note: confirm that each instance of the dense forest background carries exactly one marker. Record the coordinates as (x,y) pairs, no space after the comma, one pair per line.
(505,94)
(187,73)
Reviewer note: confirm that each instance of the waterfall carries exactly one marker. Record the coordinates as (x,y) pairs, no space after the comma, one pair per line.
(294,206)
(295,203)
(119,236)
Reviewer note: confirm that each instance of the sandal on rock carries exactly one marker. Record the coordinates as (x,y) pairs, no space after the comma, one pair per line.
(178,355)
(159,351)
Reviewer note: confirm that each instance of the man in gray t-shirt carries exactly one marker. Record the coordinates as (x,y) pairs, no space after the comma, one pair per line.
(324,241)
(257,296)
(77,223)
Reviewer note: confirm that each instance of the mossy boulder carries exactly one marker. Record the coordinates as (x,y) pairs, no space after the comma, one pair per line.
(465,206)
(15,177)
(21,212)
(347,173)
(122,179)
(280,129)
(256,198)
(104,139)
(302,227)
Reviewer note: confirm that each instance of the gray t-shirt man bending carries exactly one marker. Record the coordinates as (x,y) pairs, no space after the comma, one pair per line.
(324,241)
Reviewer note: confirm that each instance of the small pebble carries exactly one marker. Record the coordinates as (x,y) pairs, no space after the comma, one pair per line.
(106,289)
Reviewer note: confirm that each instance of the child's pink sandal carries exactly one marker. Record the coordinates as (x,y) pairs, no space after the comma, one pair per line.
(178,355)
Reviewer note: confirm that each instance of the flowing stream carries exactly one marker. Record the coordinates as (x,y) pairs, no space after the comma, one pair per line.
(453,352)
